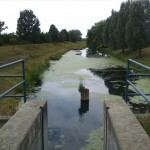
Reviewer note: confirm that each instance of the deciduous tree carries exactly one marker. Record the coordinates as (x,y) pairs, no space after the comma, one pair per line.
(26,23)
(2,26)
(75,35)
(54,33)
(135,27)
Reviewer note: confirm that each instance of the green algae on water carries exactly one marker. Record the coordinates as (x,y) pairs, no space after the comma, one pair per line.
(144,85)
(94,140)
(61,141)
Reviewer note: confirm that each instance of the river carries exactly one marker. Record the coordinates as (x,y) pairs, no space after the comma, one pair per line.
(73,125)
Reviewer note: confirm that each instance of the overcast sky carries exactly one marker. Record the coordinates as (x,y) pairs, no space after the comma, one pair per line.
(64,14)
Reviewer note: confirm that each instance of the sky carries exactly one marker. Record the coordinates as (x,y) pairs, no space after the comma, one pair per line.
(64,14)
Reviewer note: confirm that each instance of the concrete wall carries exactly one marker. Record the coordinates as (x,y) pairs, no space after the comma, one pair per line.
(27,129)
(122,129)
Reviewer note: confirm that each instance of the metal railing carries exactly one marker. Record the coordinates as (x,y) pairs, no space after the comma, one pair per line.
(131,74)
(23,82)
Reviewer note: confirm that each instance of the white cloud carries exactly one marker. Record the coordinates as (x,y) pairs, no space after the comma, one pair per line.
(68,14)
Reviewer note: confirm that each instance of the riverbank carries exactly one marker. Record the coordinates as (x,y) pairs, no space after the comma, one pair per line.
(36,59)
(144,59)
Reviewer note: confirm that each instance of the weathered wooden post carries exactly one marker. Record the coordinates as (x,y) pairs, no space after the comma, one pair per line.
(85,94)
(84,104)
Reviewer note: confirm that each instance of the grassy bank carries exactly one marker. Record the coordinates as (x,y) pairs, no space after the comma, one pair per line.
(145,122)
(36,60)
(144,59)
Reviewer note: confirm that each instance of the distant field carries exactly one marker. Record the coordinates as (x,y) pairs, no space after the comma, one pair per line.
(36,61)
(8,54)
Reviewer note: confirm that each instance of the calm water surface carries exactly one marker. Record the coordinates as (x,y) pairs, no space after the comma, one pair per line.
(71,122)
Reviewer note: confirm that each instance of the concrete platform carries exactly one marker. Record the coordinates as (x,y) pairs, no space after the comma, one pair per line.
(122,130)
(26,129)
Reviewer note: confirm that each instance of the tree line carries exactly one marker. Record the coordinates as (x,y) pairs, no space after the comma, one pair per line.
(29,32)
(127,28)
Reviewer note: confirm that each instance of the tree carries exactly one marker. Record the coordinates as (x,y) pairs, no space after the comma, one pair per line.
(2,27)
(135,27)
(89,38)
(75,35)
(12,39)
(2,23)
(64,35)
(112,30)
(25,25)
(45,37)
(36,33)
(121,26)
(54,33)
(146,6)
(95,36)
(106,32)
(130,27)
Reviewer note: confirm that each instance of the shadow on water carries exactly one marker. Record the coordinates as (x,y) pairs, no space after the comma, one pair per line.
(114,79)
(96,54)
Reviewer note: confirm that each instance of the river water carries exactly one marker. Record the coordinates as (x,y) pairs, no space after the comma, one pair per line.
(73,125)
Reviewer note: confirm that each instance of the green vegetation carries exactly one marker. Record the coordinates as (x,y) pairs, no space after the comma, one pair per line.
(145,122)
(95,140)
(8,106)
(36,60)
(143,84)
(81,86)
(125,34)
(127,29)
(29,32)
(144,59)
(37,50)
(28,27)
(61,141)
(2,23)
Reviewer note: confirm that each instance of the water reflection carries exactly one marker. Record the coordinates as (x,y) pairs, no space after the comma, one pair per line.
(90,53)
(114,79)
(70,119)
(95,54)
(84,107)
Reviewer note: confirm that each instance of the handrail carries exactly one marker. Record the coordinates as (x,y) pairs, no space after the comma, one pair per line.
(5,94)
(138,64)
(11,64)
(128,82)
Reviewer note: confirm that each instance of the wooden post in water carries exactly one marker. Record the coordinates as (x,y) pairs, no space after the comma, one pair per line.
(85,94)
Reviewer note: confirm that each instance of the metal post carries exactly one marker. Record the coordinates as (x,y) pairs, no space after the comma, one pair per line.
(5,94)
(127,85)
(24,78)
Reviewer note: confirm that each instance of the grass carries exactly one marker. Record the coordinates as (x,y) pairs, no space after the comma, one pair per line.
(144,59)
(36,61)
(8,106)
(132,55)
(145,122)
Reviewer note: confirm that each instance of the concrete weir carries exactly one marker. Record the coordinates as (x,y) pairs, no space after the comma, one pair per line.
(27,129)
(122,129)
